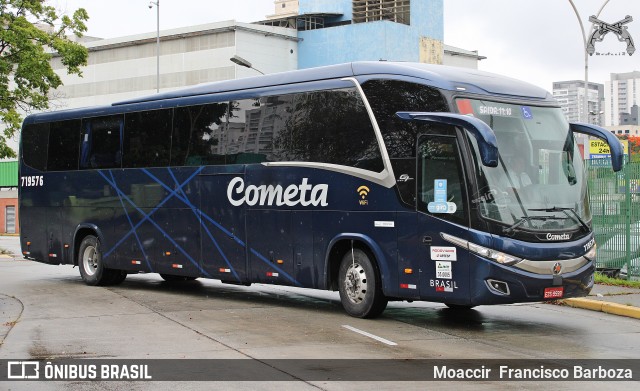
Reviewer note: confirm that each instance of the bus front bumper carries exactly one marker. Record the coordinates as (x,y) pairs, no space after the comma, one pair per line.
(533,281)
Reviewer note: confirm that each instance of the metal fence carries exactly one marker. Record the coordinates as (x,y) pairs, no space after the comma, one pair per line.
(615,206)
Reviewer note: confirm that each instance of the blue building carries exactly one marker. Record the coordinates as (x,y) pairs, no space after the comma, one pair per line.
(337,31)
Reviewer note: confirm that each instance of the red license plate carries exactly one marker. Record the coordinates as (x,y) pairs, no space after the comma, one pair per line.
(555,292)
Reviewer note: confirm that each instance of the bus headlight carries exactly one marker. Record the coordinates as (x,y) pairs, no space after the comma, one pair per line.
(497,256)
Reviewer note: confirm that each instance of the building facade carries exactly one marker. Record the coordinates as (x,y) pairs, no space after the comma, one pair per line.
(389,30)
(300,34)
(570,96)
(338,31)
(625,130)
(9,197)
(126,67)
(622,92)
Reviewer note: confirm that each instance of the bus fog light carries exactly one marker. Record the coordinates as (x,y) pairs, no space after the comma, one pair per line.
(499,287)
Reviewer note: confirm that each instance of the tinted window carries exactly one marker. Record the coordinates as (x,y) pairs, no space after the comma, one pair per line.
(64,145)
(320,126)
(386,98)
(198,135)
(34,139)
(439,163)
(250,133)
(147,139)
(101,142)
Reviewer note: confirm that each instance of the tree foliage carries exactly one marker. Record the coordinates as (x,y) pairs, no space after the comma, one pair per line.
(634,147)
(30,33)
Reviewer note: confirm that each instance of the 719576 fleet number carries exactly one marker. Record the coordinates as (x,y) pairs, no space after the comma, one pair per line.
(31,180)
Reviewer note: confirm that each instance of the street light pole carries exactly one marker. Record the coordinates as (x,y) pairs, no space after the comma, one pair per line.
(244,63)
(157,4)
(586,58)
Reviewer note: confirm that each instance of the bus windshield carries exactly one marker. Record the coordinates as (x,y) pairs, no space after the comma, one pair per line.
(539,183)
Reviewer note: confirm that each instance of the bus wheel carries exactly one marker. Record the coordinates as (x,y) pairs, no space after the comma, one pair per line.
(360,286)
(117,277)
(174,278)
(92,268)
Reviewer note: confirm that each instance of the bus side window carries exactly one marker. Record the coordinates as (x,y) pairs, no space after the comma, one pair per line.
(199,135)
(147,138)
(102,142)
(330,126)
(64,145)
(250,129)
(34,140)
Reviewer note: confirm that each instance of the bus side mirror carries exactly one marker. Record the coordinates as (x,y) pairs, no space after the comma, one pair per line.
(487,142)
(617,153)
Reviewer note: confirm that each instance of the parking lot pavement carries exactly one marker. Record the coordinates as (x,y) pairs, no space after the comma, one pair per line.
(605,298)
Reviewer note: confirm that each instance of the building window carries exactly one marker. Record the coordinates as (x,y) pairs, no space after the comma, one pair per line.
(10,221)
(398,11)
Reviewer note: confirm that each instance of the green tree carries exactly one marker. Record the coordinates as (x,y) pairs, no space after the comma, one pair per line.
(30,33)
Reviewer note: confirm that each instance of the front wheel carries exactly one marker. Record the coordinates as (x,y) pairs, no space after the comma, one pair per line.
(92,268)
(360,285)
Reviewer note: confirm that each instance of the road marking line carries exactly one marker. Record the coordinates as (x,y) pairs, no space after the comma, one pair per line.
(385,341)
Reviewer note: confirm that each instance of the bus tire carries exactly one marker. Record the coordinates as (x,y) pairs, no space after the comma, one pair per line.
(117,277)
(360,285)
(174,278)
(92,268)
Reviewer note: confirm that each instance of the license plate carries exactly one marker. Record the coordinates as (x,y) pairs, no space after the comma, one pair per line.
(555,292)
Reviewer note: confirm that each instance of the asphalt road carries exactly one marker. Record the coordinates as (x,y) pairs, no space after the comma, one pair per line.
(49,313)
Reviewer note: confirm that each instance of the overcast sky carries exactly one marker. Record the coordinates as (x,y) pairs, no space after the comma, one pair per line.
(539,41)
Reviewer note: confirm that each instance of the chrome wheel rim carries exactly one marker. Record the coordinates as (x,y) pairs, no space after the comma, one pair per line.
(90,260)
(355,283)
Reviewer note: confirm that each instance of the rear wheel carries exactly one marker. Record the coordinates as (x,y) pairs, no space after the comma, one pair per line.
(360,285)
(92,268)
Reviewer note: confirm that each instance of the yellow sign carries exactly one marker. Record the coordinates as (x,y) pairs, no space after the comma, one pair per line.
(599,147)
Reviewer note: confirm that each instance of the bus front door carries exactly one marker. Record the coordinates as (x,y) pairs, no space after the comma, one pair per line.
(443,210)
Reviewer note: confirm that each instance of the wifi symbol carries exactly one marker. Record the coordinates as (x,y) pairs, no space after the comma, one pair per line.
(363,191)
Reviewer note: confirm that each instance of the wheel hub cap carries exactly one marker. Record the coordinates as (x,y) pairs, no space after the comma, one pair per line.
(356,283)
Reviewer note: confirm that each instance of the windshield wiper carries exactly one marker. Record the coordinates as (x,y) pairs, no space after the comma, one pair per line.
(525,219)
(575,217)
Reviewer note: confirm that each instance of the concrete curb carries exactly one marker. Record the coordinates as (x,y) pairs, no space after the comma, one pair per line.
(603,306)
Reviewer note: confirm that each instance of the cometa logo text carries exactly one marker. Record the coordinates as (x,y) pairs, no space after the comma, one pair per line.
(303,194)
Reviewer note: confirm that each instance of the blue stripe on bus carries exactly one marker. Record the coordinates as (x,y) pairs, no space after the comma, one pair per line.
(145,216)
(179,194)
(146,258)
(198,213)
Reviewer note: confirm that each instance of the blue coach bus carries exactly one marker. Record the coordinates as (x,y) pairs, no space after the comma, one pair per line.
(383,181)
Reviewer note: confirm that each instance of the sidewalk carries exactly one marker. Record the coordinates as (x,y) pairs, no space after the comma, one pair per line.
(614,300)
